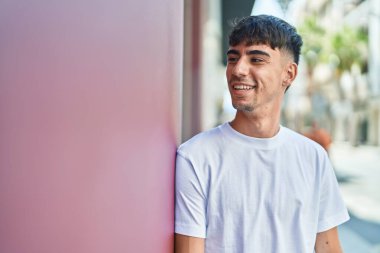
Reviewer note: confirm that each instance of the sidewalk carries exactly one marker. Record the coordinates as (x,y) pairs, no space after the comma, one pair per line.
(358,172)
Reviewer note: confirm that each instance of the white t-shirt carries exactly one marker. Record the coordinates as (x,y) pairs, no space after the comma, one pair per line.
(254,195)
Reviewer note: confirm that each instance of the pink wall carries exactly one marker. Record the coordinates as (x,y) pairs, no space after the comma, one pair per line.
(89,118)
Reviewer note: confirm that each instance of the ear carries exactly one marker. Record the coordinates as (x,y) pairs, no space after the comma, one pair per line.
(290,74)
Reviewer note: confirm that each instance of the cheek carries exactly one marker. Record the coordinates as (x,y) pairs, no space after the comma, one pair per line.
(276,76)
(228,73)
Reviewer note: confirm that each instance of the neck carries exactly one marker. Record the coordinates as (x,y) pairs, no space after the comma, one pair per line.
(265,126)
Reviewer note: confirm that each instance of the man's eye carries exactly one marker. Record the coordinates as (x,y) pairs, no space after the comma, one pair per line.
(256,60)
(232,59)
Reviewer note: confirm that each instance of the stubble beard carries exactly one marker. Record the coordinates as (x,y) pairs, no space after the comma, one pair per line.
(243,108)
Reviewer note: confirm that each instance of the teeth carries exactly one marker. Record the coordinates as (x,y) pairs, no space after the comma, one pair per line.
(243,87)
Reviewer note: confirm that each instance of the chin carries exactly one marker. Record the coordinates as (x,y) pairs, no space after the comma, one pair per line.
(243,107)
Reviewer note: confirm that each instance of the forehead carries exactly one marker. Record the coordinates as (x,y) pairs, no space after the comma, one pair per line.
(243,48)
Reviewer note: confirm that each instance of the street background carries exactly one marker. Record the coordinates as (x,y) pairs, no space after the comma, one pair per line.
(357,170)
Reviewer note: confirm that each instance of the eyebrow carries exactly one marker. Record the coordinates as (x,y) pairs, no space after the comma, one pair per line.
(251,52)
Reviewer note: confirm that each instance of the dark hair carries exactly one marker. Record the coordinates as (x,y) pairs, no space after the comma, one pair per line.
(269,30)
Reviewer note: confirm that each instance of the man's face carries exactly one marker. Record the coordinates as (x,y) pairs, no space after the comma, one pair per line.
(257,76)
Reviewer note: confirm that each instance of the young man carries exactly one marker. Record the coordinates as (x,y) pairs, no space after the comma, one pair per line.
(251,185)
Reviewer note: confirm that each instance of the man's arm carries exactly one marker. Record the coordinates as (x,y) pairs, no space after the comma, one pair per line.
(189,244)
(328,242)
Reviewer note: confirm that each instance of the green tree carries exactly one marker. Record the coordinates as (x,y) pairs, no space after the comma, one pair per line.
(350,45)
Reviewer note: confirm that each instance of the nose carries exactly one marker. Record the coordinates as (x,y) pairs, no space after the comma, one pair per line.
(241,67)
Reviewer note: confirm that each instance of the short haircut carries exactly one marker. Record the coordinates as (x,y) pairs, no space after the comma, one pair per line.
(269,30)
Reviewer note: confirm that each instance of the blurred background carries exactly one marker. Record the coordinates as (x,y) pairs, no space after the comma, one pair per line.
(335,99)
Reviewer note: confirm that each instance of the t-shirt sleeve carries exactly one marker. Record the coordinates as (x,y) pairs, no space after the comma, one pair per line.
(332,210)
(190,200)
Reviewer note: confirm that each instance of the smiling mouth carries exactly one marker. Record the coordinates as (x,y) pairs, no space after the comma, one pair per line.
(243,87)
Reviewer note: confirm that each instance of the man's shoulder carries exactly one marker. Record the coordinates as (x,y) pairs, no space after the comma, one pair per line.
(202,141)
(302,142)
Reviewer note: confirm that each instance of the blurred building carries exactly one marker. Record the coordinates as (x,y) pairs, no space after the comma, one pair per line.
(374,70)
(351,97)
